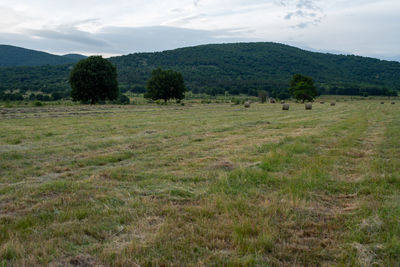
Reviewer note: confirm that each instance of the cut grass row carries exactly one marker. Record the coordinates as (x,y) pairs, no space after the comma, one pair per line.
(153,188)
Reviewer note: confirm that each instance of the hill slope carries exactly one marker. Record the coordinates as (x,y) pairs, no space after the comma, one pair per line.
(237,68)
(243,66)
(76,57)
(11,56)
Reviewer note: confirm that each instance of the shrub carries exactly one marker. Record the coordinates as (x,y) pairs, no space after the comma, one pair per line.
(38,104)
(123,100)
(262,95)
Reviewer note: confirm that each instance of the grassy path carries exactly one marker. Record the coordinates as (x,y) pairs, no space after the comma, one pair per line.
(202,185)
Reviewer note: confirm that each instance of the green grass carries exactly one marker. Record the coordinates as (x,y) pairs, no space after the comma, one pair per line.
(200,184)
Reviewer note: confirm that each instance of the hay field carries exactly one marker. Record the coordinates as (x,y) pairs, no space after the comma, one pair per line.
(200,185)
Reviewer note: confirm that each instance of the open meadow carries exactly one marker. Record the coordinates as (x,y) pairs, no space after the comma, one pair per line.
(200,185)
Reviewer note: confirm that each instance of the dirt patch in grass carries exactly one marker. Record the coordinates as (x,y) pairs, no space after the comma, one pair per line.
(224,165)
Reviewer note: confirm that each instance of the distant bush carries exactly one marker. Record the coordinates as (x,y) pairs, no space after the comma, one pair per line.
(138,89)
(56,96)
(11,96)
(235,101)
(263,95)
(123,100)
(38,104)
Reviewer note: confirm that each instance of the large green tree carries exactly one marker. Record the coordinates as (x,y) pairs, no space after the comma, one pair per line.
(302,88)
(165,84)
(94,79)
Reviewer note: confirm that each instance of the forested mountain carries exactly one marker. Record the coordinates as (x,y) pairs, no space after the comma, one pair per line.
(11,56)
(45,78)
(236,68)
(75,57)
(245,67)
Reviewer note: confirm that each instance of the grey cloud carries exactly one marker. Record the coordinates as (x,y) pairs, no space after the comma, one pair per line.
(306,12)
(302,25)
(69,33)
(120,40)
(289,15)
(307,4)
(158,38)
(300,14)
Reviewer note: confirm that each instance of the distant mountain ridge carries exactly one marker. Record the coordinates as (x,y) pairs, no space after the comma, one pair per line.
(12,56)
(249,67)
(234,68)
(74,56)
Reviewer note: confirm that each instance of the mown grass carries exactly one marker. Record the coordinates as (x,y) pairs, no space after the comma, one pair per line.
(212,184)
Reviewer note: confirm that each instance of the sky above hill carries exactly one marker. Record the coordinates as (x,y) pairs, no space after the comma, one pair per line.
(361,27)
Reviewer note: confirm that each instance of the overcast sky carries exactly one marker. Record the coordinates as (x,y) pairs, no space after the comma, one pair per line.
(361,27)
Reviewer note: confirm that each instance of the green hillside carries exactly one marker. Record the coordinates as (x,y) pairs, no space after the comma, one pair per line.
(11,56)
(245,67)
(45,78)
(76,57)
(236,68)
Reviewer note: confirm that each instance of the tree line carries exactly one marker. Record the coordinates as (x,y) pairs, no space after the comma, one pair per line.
(95,79)
(17,96)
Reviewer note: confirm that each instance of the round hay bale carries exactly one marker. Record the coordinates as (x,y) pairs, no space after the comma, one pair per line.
(322,102)
(393,103)
(285,106)
(333,103)
(247,104)
(282,101)
(382,103)
(308,106)
(272,100)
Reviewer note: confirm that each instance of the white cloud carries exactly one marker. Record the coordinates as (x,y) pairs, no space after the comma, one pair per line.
(366,27)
